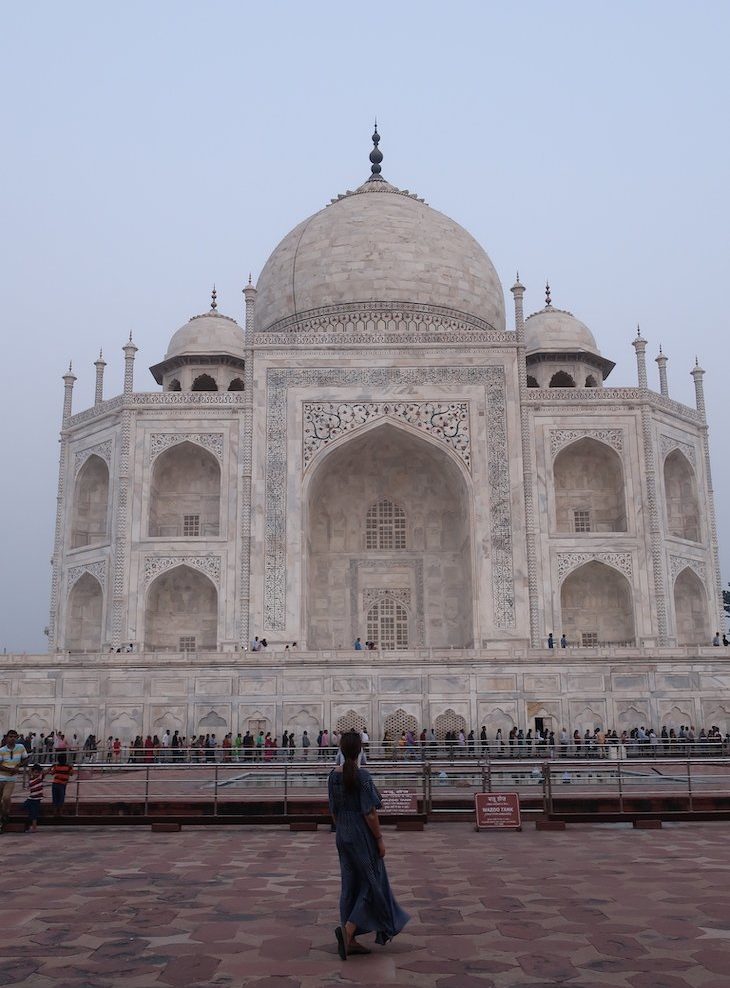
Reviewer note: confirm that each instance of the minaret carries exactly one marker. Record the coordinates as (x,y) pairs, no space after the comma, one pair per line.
(249,293)
(639,345)
(68,386)
(698,373)
(518,292)
(662,364)
(100,364)
(129,351)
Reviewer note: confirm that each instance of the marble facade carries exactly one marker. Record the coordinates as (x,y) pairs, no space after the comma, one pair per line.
(374,453)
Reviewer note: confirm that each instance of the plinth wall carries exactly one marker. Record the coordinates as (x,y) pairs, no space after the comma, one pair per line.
(148,693)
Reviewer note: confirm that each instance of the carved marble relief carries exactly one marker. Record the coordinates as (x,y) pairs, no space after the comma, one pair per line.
(160,441)
(447,421)
(568,561)
(102,450)
(96,569)
(559,438)
(154,565)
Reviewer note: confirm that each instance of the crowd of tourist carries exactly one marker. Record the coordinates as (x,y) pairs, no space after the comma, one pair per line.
(264,746)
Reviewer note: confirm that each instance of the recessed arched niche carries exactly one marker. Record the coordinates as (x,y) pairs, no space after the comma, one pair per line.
(89,523)
(185,493)
(680,490)
(181,613)
(589,488)
(84,615)
(596,605)
(690,609)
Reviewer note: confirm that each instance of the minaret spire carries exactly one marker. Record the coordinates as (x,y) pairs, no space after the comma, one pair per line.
(376,156)
(213,300)
(548,297)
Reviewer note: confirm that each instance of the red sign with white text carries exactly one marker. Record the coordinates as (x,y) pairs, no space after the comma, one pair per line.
(497,810)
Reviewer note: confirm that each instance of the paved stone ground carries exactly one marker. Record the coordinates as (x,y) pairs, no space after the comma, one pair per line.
(593,906)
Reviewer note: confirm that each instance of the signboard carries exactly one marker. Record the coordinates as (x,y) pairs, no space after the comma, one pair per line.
(497,811)
(397,802)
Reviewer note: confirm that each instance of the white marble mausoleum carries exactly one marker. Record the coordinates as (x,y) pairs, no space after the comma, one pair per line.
(378,451)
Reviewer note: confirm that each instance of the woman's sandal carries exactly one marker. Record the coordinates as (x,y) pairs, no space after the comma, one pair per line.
(341,943)
(358,948)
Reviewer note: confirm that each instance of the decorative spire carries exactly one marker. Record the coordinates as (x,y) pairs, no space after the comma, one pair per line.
(548,297)
(376,155)
(213,300)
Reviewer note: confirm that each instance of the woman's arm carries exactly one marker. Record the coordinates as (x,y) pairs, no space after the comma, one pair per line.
(371,819)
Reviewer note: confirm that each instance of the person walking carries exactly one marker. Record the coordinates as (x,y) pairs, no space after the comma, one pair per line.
(366,901)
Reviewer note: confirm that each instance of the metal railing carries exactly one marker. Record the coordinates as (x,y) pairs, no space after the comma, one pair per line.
(439,785)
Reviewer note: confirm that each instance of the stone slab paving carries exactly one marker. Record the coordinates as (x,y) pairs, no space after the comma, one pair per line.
(593,907)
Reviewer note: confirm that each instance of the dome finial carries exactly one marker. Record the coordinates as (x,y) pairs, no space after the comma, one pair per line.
(213,300)
(376,155)
(548,297)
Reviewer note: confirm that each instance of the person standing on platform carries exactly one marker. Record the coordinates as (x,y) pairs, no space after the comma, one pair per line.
(366,900)
(61,772)
(12,758)
(550,641)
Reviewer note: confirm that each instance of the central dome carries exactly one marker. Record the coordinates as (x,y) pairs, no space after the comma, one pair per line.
(378,244)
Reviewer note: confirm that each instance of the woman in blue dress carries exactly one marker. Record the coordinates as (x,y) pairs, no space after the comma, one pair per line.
(366,901)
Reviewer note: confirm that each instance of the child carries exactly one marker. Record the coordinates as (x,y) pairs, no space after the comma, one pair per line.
(35,795)
(62,772)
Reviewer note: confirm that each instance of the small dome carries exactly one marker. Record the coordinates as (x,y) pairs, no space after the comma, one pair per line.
(378,244)
(558,331)
(210,334)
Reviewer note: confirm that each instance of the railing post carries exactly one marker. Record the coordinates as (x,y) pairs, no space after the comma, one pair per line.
(689,784)
(548,776)
(78,782)
(545,776)
(620,787)
(286,789)
(146,790)
(215,789)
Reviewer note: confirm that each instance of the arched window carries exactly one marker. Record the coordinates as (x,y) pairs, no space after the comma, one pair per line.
(591,381)
(182,612)
(680,491)
(174,385)
(532,382)
(387,624)
(204,382)
(562,380)
(236,384)
(385,526)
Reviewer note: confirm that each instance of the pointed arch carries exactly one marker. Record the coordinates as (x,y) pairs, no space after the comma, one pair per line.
(532,381)
(174,385)
(387,462)
(181,612)
(89,522)
(597,606)
(84,615)
(690,609)
(589,488)
(204,382)
(236,384)
(185,493)
(398,722)
(680,492)
(562,379)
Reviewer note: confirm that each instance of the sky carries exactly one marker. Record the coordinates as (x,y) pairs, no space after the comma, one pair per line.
(153,149)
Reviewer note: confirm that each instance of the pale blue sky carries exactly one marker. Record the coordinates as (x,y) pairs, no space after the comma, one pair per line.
(150,149)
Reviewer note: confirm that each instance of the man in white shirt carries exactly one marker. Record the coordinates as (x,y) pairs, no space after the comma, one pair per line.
(12,758)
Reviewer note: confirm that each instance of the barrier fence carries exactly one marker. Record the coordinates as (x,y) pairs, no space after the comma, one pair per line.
(438,785)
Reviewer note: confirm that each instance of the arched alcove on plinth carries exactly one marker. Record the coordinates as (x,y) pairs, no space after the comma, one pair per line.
(690,609)
(589,488)
(84,615)
(597,606)
(89,523)
(680,491)
(185,493)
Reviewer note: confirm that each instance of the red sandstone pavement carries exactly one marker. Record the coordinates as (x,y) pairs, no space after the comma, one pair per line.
(592,906)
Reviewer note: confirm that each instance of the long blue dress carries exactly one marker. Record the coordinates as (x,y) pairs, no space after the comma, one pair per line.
(365,897)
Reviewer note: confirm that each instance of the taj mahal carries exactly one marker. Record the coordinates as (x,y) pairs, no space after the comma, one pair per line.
(381,448)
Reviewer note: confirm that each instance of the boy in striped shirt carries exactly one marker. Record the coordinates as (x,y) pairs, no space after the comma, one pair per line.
(62,772)
(35,795)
